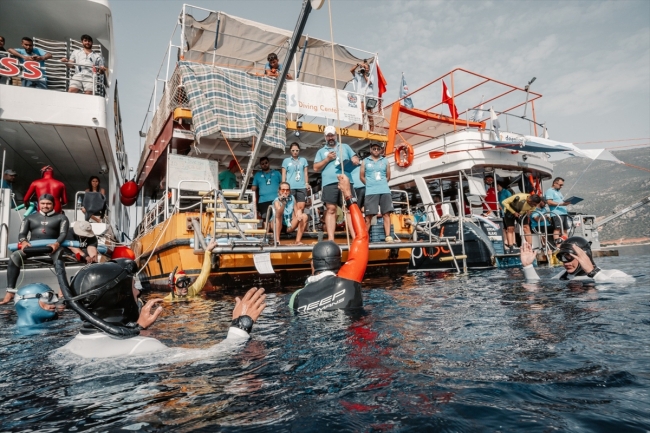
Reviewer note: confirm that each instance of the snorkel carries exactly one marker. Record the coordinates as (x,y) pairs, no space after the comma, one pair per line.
(106,305)
(29,304)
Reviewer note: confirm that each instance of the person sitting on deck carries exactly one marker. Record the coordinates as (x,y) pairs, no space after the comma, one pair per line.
(44,224)
(332,286)
(228,178)
(273,67)
(328,162)
(286,216)
(104,296)
(575,254)
(181,288)
(375,174)
(265,185)
(82,232)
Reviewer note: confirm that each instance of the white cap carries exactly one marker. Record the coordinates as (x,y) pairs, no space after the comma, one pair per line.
(330,130)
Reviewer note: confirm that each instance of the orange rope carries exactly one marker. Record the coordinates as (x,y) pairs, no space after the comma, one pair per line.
(233,154)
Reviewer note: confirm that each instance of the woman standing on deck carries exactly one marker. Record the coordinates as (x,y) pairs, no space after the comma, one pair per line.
(295,172)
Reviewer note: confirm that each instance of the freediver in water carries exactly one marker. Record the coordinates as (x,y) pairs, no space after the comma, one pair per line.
(105,298)
(575,254)
(35,304)
(332,286)
(180,284)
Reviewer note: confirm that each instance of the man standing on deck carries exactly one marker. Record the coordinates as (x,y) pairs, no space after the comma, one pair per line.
(227,178)
(29,53)
(330,164)
(86,63)
(265,185)
(561,220)
(332,286)
(375,174)
(44,224)
(8,179)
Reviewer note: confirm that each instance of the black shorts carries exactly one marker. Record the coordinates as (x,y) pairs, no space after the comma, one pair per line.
(564,222)
(376,201)
(509,219)
(361,196)
(263,208)
(299,195)
(332,194)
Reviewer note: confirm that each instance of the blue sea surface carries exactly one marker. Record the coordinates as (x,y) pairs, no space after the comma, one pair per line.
(430,352)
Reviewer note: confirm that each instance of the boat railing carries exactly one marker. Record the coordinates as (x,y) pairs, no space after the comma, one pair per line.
(399,203)
(537,234)
(78,209)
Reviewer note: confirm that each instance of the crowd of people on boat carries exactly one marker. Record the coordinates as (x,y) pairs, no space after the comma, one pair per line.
(85,62)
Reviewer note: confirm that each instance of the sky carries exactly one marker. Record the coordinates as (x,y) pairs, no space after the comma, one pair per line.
(591,59)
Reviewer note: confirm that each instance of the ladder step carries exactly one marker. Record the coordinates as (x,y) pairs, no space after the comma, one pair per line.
(223,210)
(211,201)
(451,258)
(255,231)
(241,221)
(236,232)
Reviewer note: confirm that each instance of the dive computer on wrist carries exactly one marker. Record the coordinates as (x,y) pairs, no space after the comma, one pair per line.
(593,272)
(244,323)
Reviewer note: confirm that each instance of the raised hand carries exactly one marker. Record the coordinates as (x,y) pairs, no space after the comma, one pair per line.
(147,318)
(252,305)
(583,259)
(527,255)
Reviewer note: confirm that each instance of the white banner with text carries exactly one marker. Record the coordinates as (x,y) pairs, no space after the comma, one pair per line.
(320,101)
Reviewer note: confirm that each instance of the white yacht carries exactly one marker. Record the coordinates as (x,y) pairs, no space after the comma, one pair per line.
(78,135)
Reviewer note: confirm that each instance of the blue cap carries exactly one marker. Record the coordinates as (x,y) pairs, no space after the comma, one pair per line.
(29,311)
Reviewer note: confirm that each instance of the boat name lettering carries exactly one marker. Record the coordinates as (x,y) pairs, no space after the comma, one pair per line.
(9,68)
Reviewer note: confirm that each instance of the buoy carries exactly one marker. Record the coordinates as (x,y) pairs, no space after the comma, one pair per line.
(123,252)
(128,201)
(129,190)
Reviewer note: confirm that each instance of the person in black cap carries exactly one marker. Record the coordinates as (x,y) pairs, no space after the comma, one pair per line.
(46,224)
(332,286)
(575,255)
(105,298)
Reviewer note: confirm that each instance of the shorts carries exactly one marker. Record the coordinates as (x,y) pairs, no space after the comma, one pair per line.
(82,82)
(332,194)
(374,202)
(509,220)
(564,222)
(299,194)
(361,196)
(263,208)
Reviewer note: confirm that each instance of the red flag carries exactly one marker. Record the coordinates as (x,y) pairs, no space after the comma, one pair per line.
(382,81)
(447,99)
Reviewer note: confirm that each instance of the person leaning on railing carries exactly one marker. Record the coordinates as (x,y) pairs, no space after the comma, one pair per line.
(28,52)
(515,207)
(86,62)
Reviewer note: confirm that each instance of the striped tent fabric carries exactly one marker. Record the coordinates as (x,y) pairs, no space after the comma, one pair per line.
(232,102)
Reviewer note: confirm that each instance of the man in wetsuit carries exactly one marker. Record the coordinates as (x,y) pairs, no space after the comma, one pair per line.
(575,255)
(44,224)
(104,297)
(332,286)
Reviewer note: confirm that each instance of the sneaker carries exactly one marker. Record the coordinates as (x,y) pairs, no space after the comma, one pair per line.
(389,239)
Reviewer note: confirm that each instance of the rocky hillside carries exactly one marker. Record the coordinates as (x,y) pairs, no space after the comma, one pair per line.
(608,187)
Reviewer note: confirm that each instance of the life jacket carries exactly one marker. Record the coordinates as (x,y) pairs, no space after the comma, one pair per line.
(327,294)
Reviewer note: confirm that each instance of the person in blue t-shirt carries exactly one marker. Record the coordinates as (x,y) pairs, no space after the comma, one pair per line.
(330,163)
(502,194)
(359,187)
(265,185)
(273,67)
(285,216)
(375,174)
(28,52)
(562,222)
(295,171)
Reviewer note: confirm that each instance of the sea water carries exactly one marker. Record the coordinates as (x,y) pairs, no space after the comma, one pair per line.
(430,352)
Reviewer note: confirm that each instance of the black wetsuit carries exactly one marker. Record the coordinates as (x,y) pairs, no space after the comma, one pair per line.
(39,226)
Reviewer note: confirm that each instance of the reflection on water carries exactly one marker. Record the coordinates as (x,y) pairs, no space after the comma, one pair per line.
(430,351)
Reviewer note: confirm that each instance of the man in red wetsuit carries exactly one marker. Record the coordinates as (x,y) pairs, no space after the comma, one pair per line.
(47,185)
(332,286)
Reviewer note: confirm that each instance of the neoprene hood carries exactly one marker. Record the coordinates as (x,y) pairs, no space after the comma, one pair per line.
(582,243)
(326,256)
(29,311)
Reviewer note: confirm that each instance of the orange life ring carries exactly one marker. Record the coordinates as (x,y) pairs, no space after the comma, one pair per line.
(404,155)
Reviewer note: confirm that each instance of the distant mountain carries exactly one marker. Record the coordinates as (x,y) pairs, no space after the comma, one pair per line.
(608,187)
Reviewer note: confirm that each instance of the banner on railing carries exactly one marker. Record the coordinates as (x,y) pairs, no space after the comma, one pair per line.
(320,101)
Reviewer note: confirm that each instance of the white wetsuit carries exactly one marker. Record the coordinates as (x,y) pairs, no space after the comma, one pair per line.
(603,276)
(102,345)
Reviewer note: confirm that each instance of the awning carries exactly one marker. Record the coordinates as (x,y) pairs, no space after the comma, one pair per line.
(245,44)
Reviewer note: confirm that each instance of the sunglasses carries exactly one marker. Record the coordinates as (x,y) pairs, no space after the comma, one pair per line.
(565,257)
(48,297)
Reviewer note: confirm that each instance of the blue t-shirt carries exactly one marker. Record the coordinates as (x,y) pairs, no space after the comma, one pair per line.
(503,194)
(35,52)
(376,182)
(557,197)
(267,184)
(295,171)
(356,178)
(537,214)
(268,66)
(288,210)
(6,184)
(334,167)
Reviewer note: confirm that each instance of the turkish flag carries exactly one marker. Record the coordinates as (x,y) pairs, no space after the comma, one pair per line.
(447,99)
(381,88)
